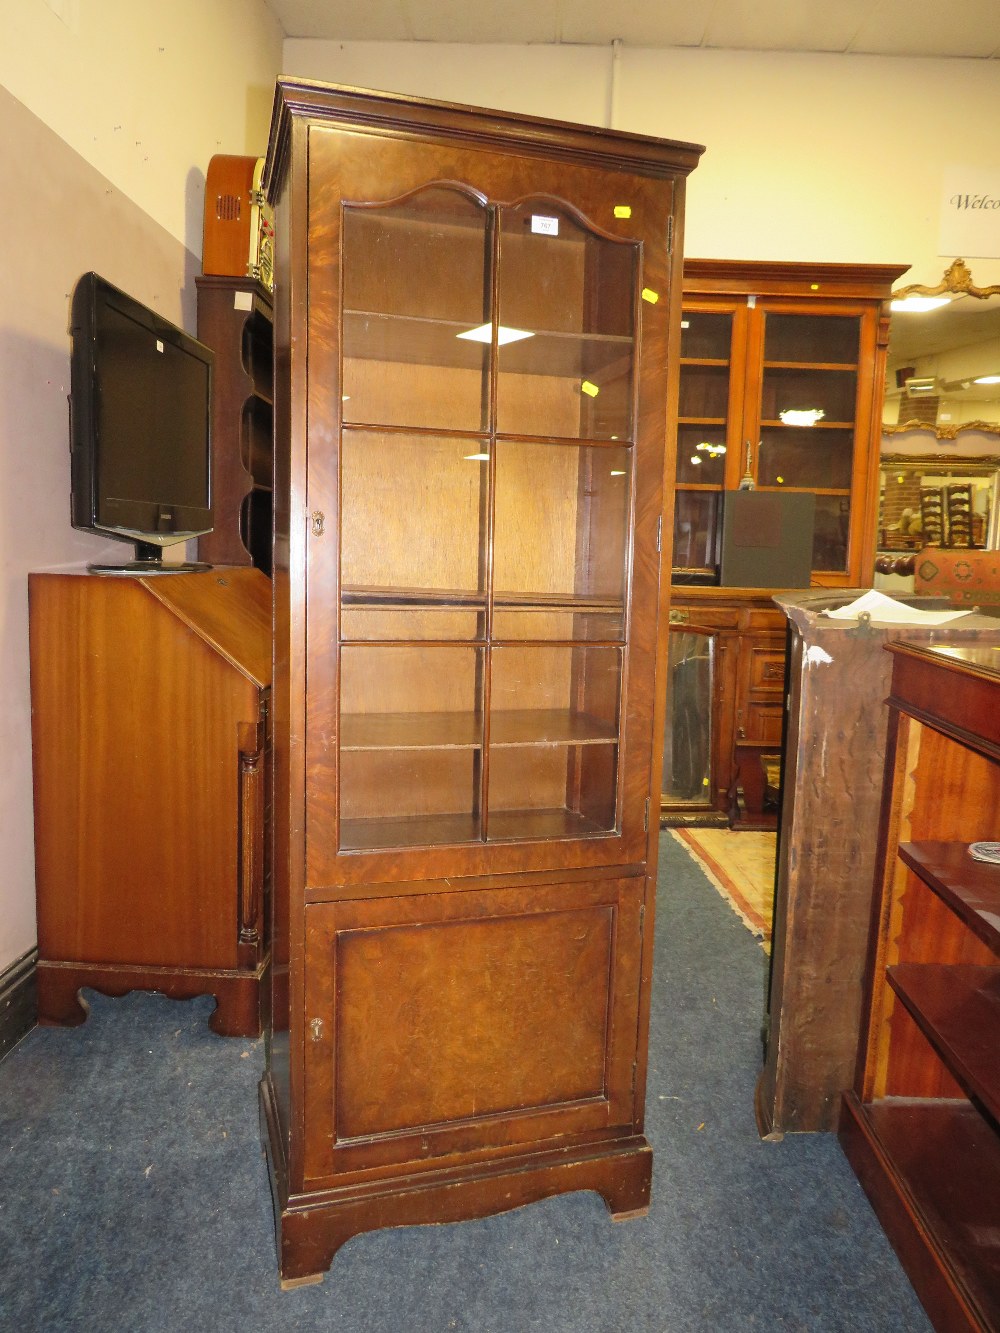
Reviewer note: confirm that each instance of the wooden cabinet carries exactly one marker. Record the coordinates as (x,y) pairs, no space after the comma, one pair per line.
(149,703)
(834,754)
(781,381)
(235,320)
(729,646)
(476,329)
(920,1127)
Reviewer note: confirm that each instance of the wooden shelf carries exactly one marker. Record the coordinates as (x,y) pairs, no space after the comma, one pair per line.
(549,726)
(464,731)
(407,831)
(437,830)
(381,599)
(555,823)
(776,424)
(957,1007)
(945,1172)
(410,731)
(812,365)
(970,888)
(408,339)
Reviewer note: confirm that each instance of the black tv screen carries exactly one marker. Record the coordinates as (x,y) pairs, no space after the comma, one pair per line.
(140,422)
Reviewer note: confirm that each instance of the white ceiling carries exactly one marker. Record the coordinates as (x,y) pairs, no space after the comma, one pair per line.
(969,28)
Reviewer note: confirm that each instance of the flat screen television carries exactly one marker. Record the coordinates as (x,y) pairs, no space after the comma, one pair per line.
(140,427)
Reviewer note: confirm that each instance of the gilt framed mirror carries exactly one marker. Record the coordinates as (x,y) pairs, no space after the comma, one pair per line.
(939,482)
(943,366)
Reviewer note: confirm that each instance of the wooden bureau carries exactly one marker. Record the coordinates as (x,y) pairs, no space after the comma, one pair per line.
(149,716)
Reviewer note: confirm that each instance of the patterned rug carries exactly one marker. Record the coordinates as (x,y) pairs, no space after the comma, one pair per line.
(741,866)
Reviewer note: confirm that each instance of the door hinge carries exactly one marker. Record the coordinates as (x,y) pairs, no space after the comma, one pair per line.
(635,1070)
(670,234)
(645,817)
(642,919)
(659,534)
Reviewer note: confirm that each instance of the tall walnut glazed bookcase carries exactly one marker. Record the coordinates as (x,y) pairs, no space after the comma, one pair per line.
(476,328)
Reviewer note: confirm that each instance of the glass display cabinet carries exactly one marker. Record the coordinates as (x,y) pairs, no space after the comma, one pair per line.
(781,383)
(482,636)
(782,370)
(476,334)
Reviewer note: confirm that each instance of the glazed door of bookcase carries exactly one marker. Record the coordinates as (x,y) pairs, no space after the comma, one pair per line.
(485,448)
(469,1022)
(710,450)
(808,416)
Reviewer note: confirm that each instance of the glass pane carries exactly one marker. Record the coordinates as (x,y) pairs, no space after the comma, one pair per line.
(567,325)
(833,516)
(415,287)
(704,392)
(554,721)
(697,532)
(706,336)
(820,339)
(809,395)
(413,536)
(701,455)
(560,544)
(411,722)
(820,459)
(687,739)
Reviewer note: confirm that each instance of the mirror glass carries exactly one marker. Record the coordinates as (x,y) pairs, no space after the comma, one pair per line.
(938,500)
(943,367)
(687,740)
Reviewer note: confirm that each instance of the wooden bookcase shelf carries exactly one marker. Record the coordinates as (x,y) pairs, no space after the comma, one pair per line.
(957,1007)
(922,1124)
(946,1166)
(970,888)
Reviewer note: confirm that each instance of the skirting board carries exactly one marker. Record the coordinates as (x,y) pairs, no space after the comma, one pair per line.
(18,1001)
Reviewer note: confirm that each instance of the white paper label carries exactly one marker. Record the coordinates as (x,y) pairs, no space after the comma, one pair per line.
(242,300)
(543,226)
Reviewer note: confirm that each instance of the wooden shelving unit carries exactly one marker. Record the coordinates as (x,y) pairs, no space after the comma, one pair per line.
(235,320)
(922,1125)
(475,397)
(781,374)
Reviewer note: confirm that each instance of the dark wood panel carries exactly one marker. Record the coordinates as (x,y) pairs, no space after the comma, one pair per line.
(456,1021)
(471,1019)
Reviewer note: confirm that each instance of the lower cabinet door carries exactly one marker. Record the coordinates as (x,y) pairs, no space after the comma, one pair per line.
(465,1025)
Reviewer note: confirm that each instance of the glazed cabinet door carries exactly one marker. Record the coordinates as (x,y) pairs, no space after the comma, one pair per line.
(709,430)
(781,369)
(811,418)
(485,602)
(469,1022)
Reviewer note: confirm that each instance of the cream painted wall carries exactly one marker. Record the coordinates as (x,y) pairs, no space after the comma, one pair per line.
(107,124)
(147,93)
(809,157)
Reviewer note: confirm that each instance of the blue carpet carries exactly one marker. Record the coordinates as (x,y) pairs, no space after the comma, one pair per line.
(133,1195)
